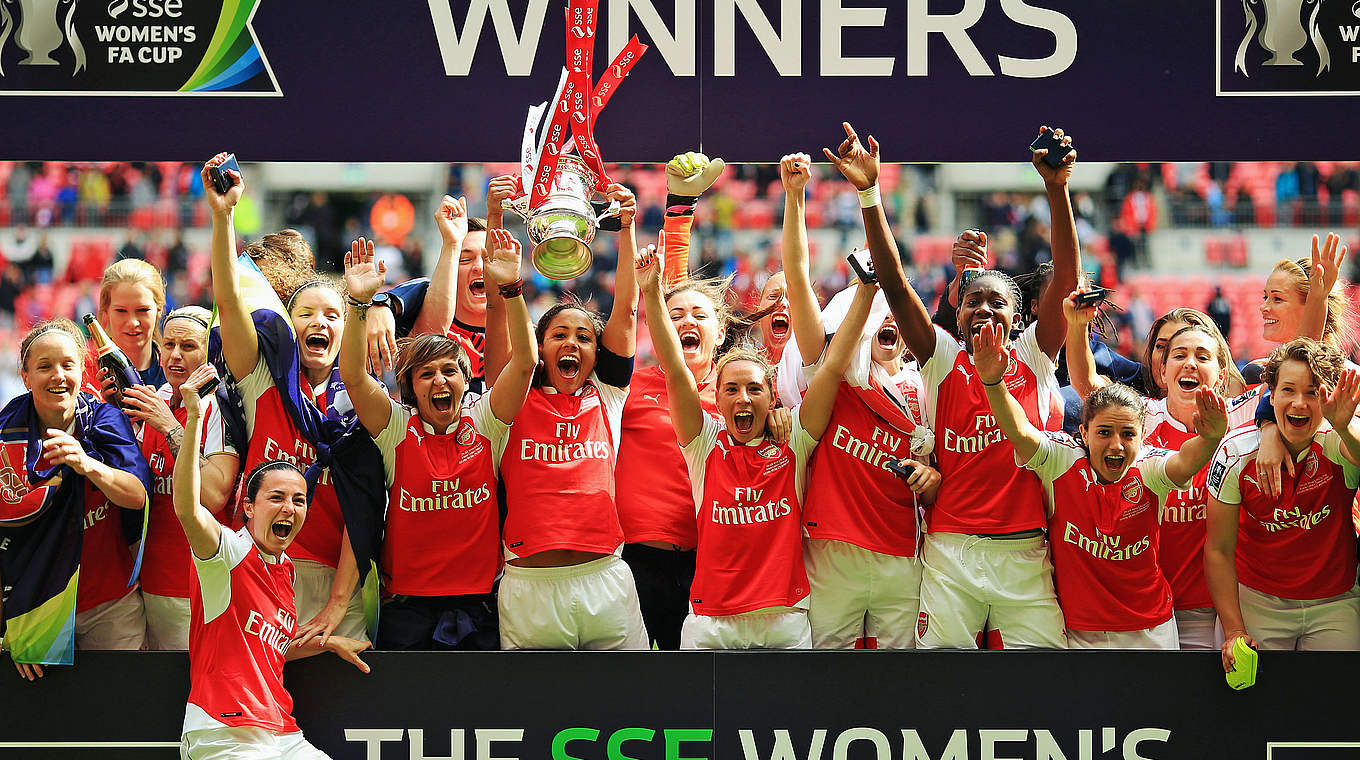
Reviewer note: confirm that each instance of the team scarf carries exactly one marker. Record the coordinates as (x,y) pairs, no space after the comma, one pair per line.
(870,383)
(327,421)
(42,511)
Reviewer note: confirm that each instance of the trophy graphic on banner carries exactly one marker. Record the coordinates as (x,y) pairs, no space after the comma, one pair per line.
(558,185)
(1282,33)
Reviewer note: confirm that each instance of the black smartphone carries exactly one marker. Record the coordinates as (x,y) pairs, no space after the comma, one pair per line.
(220,179)
(902,471)
(1056,150)
(862,265)
(1091,297)
(207,389)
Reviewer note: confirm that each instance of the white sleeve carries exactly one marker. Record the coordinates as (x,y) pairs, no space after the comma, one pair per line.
(488,424)
(1153,467)
(215,432)
(613,398)
(253,386)
(1225,472)
(1056,455)
(696,455)
(390,437)
(1331,447)
(941,361)
(1028,351)
(802,443)
(214,573)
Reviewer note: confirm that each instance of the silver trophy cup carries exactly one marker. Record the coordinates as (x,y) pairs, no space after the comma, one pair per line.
(563,224)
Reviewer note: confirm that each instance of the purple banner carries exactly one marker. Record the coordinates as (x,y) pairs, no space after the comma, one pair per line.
(748,80)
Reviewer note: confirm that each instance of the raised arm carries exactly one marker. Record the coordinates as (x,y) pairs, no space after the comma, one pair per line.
(794,171)
(436,314)
(501,264)
(200,526)
(364,276)
(688,175)
(240,344)
(687,416)
(1211,424)
(860,167)
(1339,405)
(1081,363)
(1066,255)
(815,411)
(496,348)
(1326,267)
(620,332)
(990,359)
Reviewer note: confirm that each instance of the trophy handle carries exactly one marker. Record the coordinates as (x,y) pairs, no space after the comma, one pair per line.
(613,209)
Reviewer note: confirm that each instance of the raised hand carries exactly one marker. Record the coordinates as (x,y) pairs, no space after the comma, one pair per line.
(627,203)
(795,170)
(1078,315)
(501,189)
(451,219)
(364,273)
(221,203)
(690,174)
(1211,414)
(647,262)
(970,250)
(188,391)
(1339,403)
(1326,264)
(502,257)
(859,166)
(1058,176)
(989,354)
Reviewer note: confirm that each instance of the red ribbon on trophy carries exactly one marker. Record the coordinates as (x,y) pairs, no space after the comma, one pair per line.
(577,104)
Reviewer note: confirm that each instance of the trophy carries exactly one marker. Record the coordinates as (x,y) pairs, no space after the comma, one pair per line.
(558,185)
(562,226)
(1283,33)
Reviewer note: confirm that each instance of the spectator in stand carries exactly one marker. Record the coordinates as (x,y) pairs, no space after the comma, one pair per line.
(133,246)
(1220,311)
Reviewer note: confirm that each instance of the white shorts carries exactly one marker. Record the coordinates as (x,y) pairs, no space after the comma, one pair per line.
(858,593)
(1304,625)
(768,628)
(246,743)
(312,589)
(1161,636)
(167,622)
(969,583)
(1199,629)
(593,605)
(118,624)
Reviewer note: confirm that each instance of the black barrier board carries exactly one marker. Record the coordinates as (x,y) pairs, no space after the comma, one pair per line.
(750,80)
(727,706)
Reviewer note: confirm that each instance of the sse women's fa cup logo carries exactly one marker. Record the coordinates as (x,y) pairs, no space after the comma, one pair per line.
(43,27)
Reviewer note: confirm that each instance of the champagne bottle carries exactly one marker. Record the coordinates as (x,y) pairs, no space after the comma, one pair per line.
(112,358)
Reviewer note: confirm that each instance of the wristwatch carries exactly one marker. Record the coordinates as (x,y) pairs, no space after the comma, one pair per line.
(385,299)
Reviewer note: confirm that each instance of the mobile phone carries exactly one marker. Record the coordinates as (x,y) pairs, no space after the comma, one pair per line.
(1091,297)
(207,389)
(1056,150)
(863,265)
(902,471)
(220,178)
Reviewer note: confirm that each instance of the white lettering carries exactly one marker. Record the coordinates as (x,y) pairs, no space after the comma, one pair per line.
(784,49)
(517,51)
(678,49)
(834,19)
(1349,33)
(914,749)
(954,27)
(783,745)
(840,751)
(1064,41)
